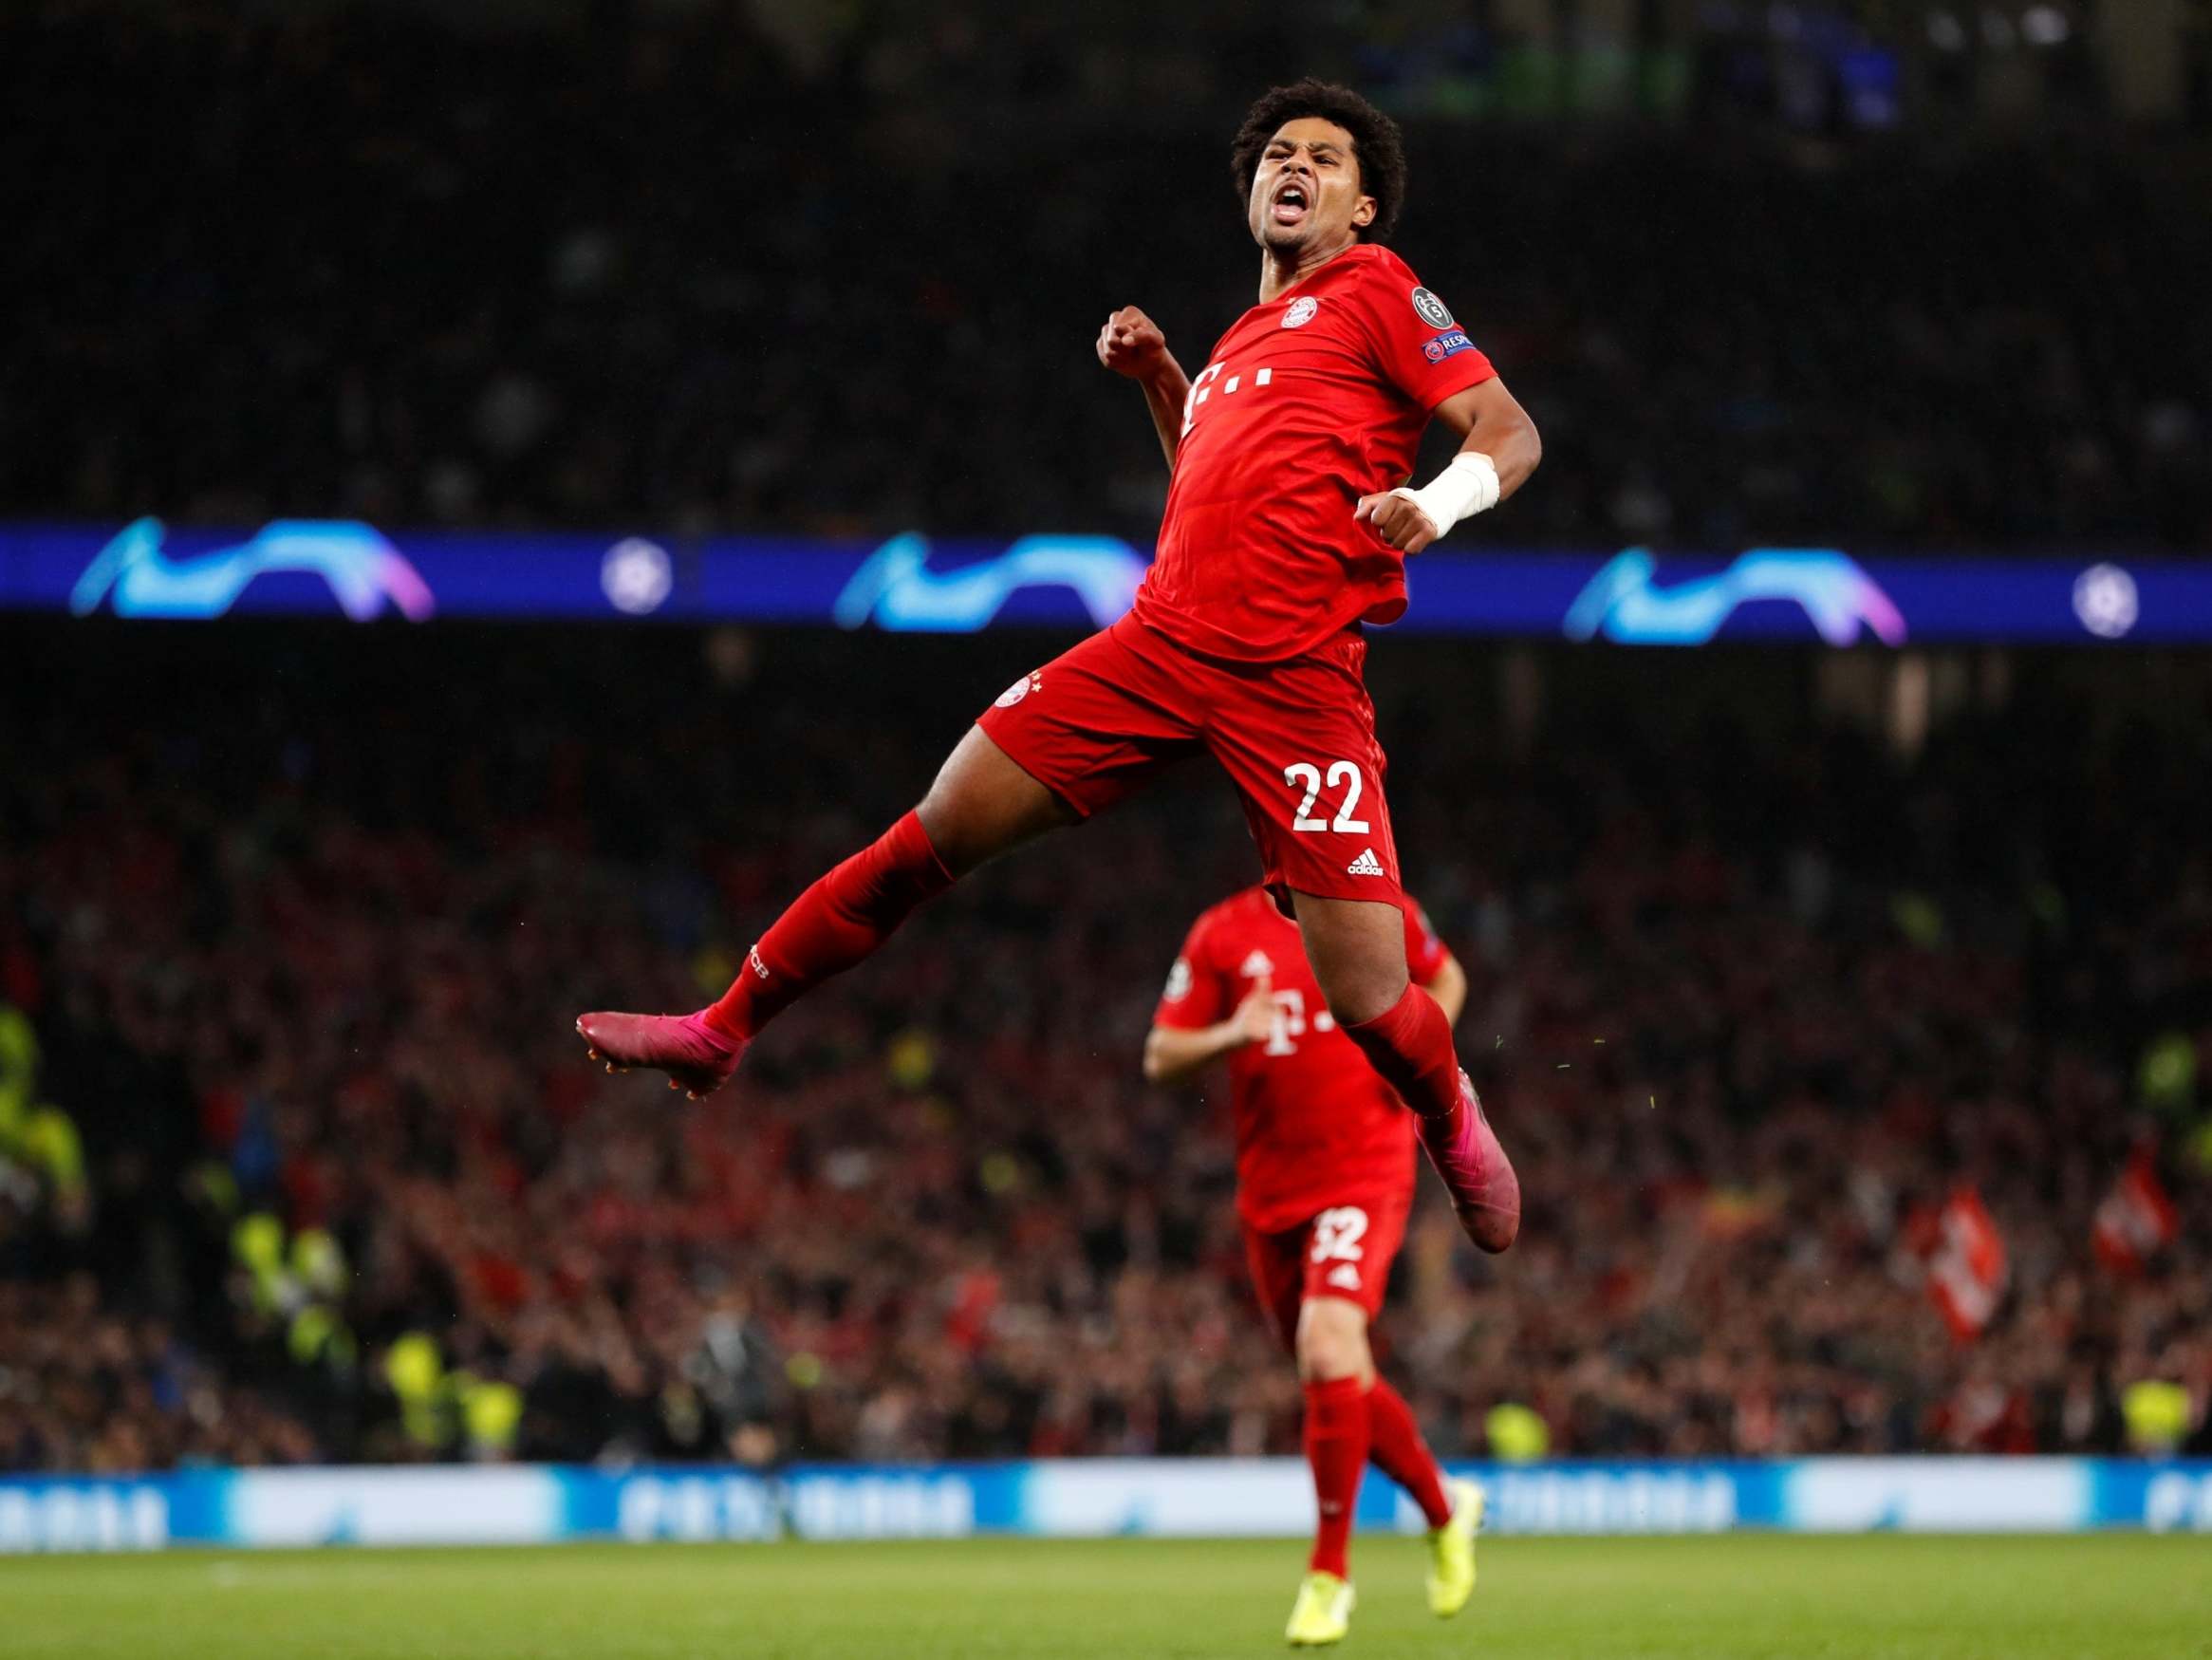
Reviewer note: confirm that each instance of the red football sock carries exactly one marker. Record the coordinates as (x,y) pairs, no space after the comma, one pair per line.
(1410,1044)
(1395,1445)
(1337,1446)
(832,925)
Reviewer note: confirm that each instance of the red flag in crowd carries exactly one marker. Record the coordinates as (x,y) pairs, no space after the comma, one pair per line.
(2135,1220)
(1966,1266)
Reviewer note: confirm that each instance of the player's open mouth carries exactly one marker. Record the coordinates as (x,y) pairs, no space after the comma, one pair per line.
(1289,205)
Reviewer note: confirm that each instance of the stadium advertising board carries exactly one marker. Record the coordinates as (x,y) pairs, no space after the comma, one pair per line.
(343,567)
(1073,1498)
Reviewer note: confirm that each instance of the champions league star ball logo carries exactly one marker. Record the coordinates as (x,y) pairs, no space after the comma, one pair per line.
(636,577)
(2105,601)
(1301,311)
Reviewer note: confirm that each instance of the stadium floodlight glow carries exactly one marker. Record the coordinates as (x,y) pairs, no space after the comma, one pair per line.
(2045,25)
(1945,32)
(1623,603)
(362,570)
(636,577)
(2106,599)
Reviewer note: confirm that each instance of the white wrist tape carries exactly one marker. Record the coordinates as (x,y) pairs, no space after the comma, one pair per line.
(1466,487)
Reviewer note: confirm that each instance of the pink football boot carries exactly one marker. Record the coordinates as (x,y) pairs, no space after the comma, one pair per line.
(697,1059)
(1477,1173)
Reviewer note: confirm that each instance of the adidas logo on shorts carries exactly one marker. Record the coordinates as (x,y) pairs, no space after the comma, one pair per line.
(1365,865)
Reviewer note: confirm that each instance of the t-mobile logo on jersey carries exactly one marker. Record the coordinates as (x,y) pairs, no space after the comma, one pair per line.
(1202,387)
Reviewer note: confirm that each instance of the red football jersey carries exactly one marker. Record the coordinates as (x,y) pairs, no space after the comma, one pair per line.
(1315,1123)
(1308,403)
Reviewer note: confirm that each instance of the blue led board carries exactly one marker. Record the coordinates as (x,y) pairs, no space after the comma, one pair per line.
(907,583)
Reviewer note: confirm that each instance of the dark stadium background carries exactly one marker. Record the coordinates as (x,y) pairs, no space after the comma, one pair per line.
(296,915)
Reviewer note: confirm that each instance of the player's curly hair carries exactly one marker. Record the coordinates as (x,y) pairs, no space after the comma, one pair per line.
(1376,143)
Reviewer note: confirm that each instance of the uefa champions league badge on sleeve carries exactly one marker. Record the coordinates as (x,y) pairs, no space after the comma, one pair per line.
(1300,311)
(1430,310)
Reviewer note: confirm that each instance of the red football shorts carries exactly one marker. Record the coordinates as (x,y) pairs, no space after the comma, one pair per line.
(1297,738)
(1345,1251)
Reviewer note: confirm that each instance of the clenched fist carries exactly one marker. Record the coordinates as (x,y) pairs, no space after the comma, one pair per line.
(1132,343)
(1397,520)
(1254,1018)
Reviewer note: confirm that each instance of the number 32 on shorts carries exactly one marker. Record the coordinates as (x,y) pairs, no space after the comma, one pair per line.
(1337,1234)
(1342,775)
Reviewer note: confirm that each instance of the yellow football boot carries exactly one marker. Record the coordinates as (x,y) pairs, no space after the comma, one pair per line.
(1451,1552)
(1322,1614)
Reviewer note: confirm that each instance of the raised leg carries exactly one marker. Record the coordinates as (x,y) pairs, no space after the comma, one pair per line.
(1358,951)
(982,805)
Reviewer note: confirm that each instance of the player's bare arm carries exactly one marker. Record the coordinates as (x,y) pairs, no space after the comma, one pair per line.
(1172,1055)
(1449,988)
(1131,344)
(1501,449)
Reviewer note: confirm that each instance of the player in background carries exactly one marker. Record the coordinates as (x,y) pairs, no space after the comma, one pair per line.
(1324,1183)
(1287,526)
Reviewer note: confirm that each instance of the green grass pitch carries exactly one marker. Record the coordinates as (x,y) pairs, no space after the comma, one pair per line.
(1715,1598)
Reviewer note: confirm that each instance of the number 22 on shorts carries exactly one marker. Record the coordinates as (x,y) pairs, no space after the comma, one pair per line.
(1343,775)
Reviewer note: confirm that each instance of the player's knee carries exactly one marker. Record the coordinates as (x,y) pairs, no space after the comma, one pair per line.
(981,804)
(1332,1340)
(1360,986)
(946,822)
(1358,952)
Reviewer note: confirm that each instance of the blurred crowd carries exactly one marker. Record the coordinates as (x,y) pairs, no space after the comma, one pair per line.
(300,944)
(769,268)
(86,1386)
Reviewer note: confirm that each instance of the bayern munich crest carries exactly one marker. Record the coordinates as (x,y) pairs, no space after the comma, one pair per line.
(1301,311)
(1020,689)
